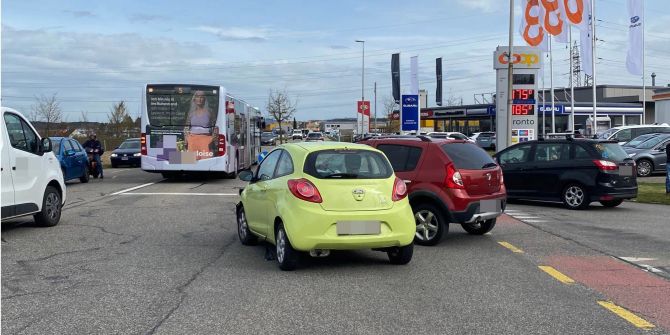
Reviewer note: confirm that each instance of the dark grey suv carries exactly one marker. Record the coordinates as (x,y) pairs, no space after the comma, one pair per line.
(650,155)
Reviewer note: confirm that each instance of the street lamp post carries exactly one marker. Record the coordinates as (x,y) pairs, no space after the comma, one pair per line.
(362,85)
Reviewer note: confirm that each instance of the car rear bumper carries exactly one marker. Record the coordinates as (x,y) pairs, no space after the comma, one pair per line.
(474,214)
(612,193)
(130,161)
(310,228)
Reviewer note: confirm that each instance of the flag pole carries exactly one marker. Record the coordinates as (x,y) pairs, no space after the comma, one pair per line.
(593,65)
(551,83)
(644,84)
(510,72)
(572,85)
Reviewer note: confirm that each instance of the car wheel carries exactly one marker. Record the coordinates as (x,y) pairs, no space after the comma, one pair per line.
(401,255)
(51,208)
(644,168)
(245,235)
(84,178)
(479,228)
(430,224)
(611,203)
(575,197)
(287,257)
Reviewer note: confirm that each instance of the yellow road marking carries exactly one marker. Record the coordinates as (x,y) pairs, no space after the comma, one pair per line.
(626,315)
(557,274)
(510,247)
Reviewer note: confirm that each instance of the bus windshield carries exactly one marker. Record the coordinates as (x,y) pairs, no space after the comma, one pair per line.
(194,106)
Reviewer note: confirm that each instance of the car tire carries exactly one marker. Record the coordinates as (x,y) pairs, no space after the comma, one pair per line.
(644,168)
(480,228)
(287,257)
(401,255)
(243,232)
(430,224)
(575,196)
(611,203)
(85,177)
(52,205)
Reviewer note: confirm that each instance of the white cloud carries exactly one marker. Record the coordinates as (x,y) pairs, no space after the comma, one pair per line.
(236,33)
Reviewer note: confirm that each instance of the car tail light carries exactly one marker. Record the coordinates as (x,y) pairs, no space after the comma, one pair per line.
(604,165)
(143,144)
(399,190)
(305,190)
(454,179)
(222,144)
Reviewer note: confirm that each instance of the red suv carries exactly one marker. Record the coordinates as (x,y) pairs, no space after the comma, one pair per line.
(449,181)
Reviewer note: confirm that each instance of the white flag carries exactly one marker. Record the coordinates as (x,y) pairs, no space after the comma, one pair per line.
(563,36)
(414,74)
(534,35)
(635,37)
(585,23)
(586,54)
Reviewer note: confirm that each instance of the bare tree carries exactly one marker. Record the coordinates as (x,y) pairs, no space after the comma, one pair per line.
(453,100)
(389,106)
(46,109)
(84,117)
(117,115)
(281,108)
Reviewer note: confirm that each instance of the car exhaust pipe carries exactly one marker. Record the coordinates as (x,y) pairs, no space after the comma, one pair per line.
(319,252)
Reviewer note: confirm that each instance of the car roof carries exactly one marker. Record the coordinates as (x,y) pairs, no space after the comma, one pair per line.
(642,126)
(317,146)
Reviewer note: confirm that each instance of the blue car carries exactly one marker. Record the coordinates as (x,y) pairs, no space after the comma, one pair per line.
(72,157)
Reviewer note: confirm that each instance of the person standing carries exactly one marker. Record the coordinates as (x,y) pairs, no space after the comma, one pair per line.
(94,146)
(667,168)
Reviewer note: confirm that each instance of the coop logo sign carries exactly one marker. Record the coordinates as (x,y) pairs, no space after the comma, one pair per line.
(524,59)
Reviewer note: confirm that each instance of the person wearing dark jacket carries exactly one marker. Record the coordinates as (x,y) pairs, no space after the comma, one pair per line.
(667,168)
(94,146)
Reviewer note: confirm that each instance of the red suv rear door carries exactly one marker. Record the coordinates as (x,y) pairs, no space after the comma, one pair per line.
(480,174)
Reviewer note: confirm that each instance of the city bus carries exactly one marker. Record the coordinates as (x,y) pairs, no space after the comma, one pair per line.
(197,128)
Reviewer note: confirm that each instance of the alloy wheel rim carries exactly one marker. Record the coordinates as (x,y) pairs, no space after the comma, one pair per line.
(281,244)
(242,225)
(426,225)
(574,196)
(52,206)
(644,168)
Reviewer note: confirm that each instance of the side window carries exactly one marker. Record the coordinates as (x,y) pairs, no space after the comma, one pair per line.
(548,152)
(516,155)
(402,157)
(581,153)
(15,132)
(285,165)
(31,138)
(624,135)
(67,145)
(268,165)
(76,145)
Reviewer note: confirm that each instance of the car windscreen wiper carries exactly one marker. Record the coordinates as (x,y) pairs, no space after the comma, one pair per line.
(342,175)
(489,165)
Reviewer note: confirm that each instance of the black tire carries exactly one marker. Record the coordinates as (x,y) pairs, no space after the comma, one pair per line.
(479,228)
(243,232)
(644,168)
(84,178)
(51,208)
(575,196)
(94,173)
(611,203)
(401,255)
(430,224)
(287,257)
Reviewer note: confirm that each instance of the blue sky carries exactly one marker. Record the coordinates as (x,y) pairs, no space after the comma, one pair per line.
(94,53)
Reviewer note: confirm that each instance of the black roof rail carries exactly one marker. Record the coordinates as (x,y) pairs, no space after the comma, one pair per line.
(424,138)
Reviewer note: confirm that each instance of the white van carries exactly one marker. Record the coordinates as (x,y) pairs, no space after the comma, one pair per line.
(623,134)
(32,181)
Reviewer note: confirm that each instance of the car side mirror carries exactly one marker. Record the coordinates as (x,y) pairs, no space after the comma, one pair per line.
(246,175)
(45,145)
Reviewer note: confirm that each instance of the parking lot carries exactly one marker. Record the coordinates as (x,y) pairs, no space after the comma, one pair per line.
(135,253)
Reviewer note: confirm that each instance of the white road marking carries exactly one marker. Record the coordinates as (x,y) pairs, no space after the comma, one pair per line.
(180,193)
(535,221)
(525,217)
(637,259)
(135,188)
(650,268)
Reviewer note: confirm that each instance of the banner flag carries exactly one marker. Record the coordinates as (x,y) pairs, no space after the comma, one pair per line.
(635,37)
(414,75)
(438,74)
(586,54)
(395,77)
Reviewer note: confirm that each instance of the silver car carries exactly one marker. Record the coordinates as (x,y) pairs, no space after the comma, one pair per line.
(650,155)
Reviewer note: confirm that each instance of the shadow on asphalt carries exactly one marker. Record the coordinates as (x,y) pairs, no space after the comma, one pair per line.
(595,206)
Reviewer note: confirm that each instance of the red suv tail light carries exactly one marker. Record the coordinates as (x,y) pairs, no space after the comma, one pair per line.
(143,144)
(305,190)
(399,190)
(454,179)
(604,165)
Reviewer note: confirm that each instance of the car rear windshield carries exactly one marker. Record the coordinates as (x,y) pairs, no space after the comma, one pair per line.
(315,135)
(468,156)
(347,164)
(130,145)
(611,151)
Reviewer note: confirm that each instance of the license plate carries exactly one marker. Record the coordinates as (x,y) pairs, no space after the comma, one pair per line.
(359,227)
(489,206)
(124,158)
(625,170)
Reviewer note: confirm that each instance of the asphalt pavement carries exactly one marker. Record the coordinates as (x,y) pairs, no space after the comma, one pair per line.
(137,254)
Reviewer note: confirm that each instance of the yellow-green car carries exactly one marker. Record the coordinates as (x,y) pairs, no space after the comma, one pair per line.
(316,197)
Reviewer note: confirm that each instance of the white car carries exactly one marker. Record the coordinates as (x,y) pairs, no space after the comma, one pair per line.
(449,134)
(32,180)
(624,134)
(297,134)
